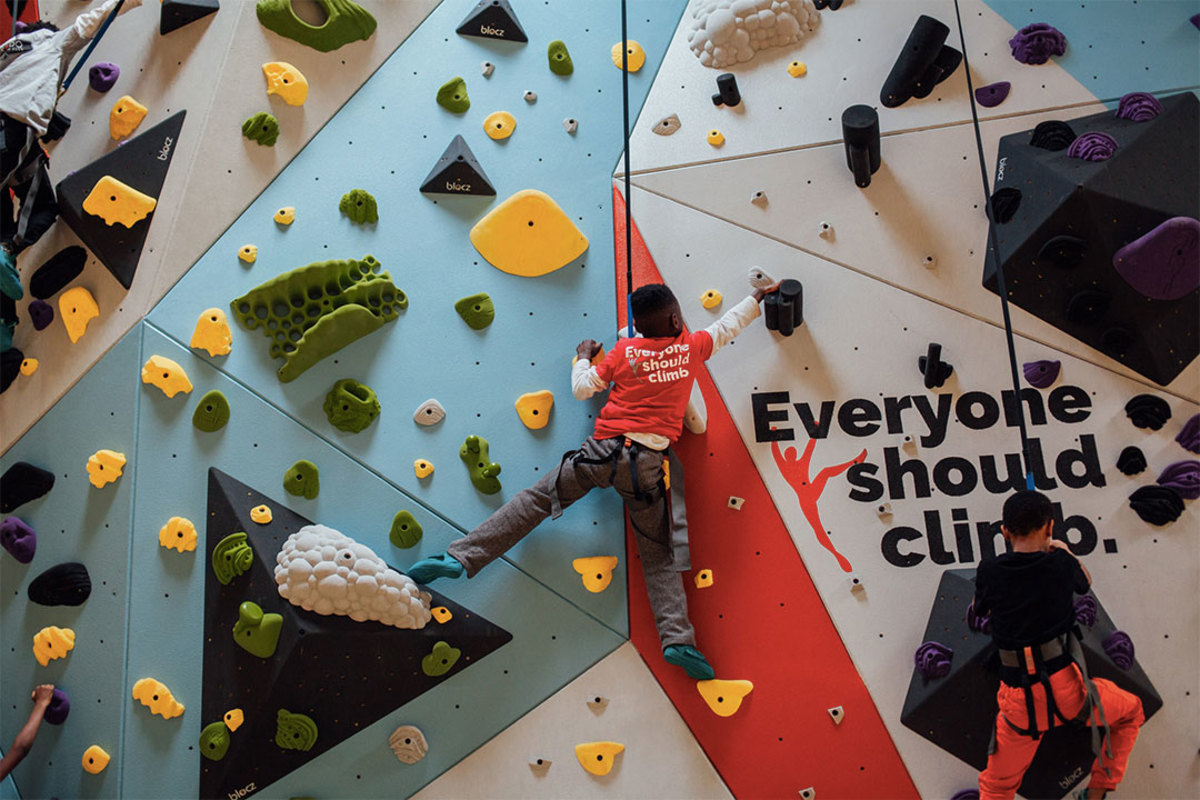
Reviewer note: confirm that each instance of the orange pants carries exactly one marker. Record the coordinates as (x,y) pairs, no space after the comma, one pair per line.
(1014,752)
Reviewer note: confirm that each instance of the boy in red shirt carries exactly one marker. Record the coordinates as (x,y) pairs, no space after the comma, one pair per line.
(651,379)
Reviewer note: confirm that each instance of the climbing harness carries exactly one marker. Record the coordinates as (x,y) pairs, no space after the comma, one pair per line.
(30,168)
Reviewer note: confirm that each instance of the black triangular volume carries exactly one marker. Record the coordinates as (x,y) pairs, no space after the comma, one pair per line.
(141,163)
(458,172)
(493,19)
(344,675)
(177,13)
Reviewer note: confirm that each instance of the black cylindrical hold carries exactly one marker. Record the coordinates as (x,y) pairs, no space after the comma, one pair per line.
(921,50)
(934,370)
(860,130)
(771,311)
(727,91)
(785,320)
(792,291)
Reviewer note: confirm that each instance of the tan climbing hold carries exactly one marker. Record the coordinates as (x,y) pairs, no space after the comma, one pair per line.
(155,696)
(636,57)
(598,757)
(95,759)
(704,579)
(234,718)
(52,643)
(212,333)
(29,366)
(528,235)
(125,116)
(285,215)
(597,571)
(286,81)
(534,408)
(261,514)
(715,138)
(115,202)
(422,468)
(441,614)
(167,375)
(178,534)
(711,299)
(500,125)
(248,253)
(837,714)
(797,69)
(724,697)
(104,467)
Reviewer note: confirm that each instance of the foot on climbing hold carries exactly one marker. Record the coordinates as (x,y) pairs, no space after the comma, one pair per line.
(351,406)
(598,757)
(294,731)
(692,660)
(178,534)
(452,95)
(345,22)
(484,472)
(231,557)
(499,125)
(125,117)
(528,235)
(155,696)
(95,759)
(167,375)
(422,468)
(560,58)
(52,643)
(104,467)
(441,660)
(636,56)
(212,412)
(263,128)
(534,409)
(360,206)
(406,531)
(285,216)
(430,569)
(286,81)
(724,697)
(77,308)
(214,741)
(255,632)
(596,571)
(302,480)
(212,333)
(476,310)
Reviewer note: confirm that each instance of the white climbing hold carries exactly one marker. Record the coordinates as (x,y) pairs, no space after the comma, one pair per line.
(825,230)
(759,198)
(597,703)
(667,125)
(808,794)
(429,413)
(759,278)
(884,509)
(540,766)
(929,261)
(837,714)
(487,68)
(408,743)
(907,442)
(570,125)
(695,418)
(853,581)
(736,503)
(727,32)
(530,96)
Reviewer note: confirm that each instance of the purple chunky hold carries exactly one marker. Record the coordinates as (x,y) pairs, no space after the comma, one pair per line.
(933,660)
(1163,264)
(1085,610)
(1139,107)
(102,76)
(1041,373)
(1189,437)
(977,623)
(1034,44)
(60,706)
(993,94)
(18,539)
(1120,649)
(1183,477)
(42,314)
(20,27)
(965,794)
(1093,146)
(1195,20)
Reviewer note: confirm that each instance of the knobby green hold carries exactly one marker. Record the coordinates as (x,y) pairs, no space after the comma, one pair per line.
(212,412)
(441,660)
(294,731)
(346,22)
(478,310)
(351,406)
(316,310)
(453,96)
(360,207)
(255,632)
(214,741)
(302,480)
(560,58)
(474,453)
(232,557)
(406,531)
(262,128)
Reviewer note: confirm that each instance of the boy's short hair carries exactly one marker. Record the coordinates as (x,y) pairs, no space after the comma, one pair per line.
(650,299)
(1025,512)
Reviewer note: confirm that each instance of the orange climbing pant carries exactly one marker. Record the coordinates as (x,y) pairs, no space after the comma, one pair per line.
(1014,752)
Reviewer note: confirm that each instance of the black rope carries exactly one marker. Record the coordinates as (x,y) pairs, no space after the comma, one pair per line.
(628,196)
(991,252)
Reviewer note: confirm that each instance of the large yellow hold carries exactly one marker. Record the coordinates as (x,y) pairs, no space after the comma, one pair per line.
(104,467)
(596,571)
(597,757)
(286,81)
(724,697)
(528,235)
(125,116)
(167,375)
(52,643)
(95,759)
(78,308)
(636,58)
(534,408)
(212,333)
(155,696)
(178,534)
(115,202)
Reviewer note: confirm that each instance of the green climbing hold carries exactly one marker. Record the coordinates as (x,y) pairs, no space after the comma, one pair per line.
(212,412)
(294,731)
(345,22)
(474,453)
(478,310)
(316,310)
(214,741)
(560,58)
(406,531)
(359,206)
(262,128)
(351,406)
(453,95)
(441,660)
(255,632)
(302,480)
(232,557)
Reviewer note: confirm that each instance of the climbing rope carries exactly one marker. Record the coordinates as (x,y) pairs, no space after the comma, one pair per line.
(92,46)
(991,252)
(628,197)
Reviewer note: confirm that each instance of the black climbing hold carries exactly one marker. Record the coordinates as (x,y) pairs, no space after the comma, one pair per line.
(177,13)
(458,172)
(931,366)
(1131,461)
(727,91)
(832,5)
(1005,203)
(21,483)
(10,367)
(1063,251)
(1116,341)
(783,309)
(66,584)
(1088,306)
(1148,411)
(1052,135)
(59,270)
(493,19)
(860,132)
(1158,505)
(924,62)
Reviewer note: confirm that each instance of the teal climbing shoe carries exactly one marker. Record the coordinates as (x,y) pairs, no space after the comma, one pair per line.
(692,660)
(10,279)
(443,565)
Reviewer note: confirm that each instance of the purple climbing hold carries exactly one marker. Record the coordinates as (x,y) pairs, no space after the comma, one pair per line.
(933,660)
(993,94)
(1183,477)
(1086,608)
(42,314)
(977,623)
(102,76)
(1139,107)
(1093,146)
(1034,44)
(965,794)
(1195,20)
(1158,505)
(1119,647)
(1131,461)
(1041,373)
(60,706)
(18,539)
(1189,437)
(1163,264)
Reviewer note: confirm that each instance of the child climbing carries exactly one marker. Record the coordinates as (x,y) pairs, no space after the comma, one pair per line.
(651,379)
(24,741)
(1028,593)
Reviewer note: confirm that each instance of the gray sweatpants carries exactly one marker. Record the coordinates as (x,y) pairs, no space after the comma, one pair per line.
(646,505)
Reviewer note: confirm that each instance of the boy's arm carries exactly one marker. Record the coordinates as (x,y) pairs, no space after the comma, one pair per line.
(585,380)
(24,741)
(87,24)
(1058,544)
(733,321)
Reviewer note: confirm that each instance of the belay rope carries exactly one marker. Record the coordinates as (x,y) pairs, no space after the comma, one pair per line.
(628,197)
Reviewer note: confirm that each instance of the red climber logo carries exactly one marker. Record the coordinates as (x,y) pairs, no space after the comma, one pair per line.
(795,471)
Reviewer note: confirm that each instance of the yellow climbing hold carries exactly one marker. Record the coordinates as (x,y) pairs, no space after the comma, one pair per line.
(178,534)
(797,69)
(155,696)
(500,125)
(261,514)
(637,56)
(29,366)
(125,116)
(422,468)
(724,697)
(286,81)
(596,359)
(596,571)
(248,253)
(597,757)
(115,202)
(167,375)
(711,299)
(52,642)
(534,408)
(716,138)
(234,718)
(285,215)
(95,759)
(212,333)
(441,614)
(104,467)
(528,235)
(704,579)
(78,308)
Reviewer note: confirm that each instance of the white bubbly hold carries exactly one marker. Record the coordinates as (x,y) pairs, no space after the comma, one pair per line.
(727,32)
(324,571)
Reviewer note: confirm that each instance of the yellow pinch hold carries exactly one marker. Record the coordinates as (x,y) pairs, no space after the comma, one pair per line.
(104,467)
(125,116)
(715,138)
(116,202)
(166,374)
(534,408)
(29,366)
(234,718)
(261,514)
(711,299)
(422,468)
(797,69)
(212,333)
(704,579)
(528,235)
(598,757)
(178,534)
(248,253)
(597,571)
(286,81)
(499,125)
(155,696)
(52,643)
(285,215)
(77,308)
(441,614)
(95,759)
(636,58)
(724,697)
